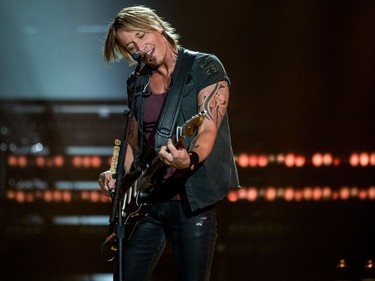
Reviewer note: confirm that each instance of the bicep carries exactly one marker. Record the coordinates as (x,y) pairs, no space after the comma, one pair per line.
(214,100)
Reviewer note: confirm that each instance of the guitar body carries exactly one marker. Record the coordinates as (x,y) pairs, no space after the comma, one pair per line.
(136,187)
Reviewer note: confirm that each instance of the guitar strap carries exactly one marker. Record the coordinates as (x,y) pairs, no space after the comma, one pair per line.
(171,108)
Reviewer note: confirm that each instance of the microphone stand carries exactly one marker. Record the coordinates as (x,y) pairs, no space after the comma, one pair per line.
(117,198)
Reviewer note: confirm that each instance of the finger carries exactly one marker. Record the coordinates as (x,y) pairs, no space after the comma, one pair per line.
(171,147)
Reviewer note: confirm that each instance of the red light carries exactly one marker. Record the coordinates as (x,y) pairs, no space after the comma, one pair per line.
(317,193)
(317,160)
(300,161)
(243,160)
(307,193)
(48,196)
(372,159)
(40,161)
(262,160)
(96,161)
(344,193)
(59,161)
(12,161)
(354,159)
(371,193)
(289,160)
(20,196)
(242,193)
(336,161)
(22,161)
(252,194)
(232,196)
(77,161)
(327,159)
(289,194)
(11,195)
(362,194)
(298,195)
(364,159)
(94,196)
(85,195)
(280,158)
(67,196)
(86,161)
(327,193)
(270,194)
(253,161)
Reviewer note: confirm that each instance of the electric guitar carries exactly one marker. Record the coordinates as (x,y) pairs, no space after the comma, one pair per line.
(137,186)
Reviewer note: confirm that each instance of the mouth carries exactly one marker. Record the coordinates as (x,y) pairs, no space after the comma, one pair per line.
(148,54)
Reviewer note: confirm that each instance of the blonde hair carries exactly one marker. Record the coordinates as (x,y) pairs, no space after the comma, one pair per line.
(133,19)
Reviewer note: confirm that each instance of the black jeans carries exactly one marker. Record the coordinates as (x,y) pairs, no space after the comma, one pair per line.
(192,236)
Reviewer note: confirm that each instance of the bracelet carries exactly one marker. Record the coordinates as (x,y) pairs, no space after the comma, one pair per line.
(194,160)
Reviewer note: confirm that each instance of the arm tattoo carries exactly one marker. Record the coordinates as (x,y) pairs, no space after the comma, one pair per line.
(214,99)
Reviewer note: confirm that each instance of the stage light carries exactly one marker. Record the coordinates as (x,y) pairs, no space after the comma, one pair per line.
(362,194)
(326,193)
(22,161)
(86,161)
(317,193)
(262,161)
(307,193)
(280,158)
(270,194)
(289,194)
(364,159)
(372,159)
(253,160)
(298,195)
(12,161)
(232,196)
(300,161)
(252,194)
(336,161)
(20,196)
(94,196)
(67,196)
(317,159)
(40,161)
(344,193)
(243,160)
(242,193)
(48,196)
(38,147)
(327,159)
(96,161)
(58,161)
(354,159)
(289,160)
(77,161)
(371,193)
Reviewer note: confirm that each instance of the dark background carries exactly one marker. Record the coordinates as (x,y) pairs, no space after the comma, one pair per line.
(302,76)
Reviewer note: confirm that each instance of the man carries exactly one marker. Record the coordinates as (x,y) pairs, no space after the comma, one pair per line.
(194,174)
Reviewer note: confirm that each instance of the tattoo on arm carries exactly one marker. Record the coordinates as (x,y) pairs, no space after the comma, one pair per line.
(214,99)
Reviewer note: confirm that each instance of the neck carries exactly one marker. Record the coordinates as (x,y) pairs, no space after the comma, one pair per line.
(166,69)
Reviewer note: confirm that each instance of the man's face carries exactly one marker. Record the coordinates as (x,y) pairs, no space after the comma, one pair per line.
(151,43)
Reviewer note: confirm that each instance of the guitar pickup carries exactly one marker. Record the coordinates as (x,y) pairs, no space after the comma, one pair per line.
(178,133)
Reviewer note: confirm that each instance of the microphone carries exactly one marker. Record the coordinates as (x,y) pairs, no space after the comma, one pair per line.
(139,56)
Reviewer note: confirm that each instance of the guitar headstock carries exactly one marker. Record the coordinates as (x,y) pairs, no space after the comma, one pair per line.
(193,123)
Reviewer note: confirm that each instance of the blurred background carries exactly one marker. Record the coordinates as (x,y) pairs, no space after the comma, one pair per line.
(301,113)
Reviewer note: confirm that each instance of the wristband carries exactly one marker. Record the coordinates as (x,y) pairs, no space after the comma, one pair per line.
(194,160)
